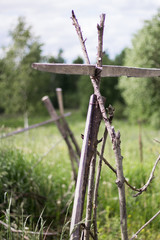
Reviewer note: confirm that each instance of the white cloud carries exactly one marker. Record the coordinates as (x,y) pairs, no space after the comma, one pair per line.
(51,21)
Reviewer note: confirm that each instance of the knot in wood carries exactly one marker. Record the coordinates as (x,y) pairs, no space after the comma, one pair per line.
(97,73)
(120,183)
(118,138)
(110,111)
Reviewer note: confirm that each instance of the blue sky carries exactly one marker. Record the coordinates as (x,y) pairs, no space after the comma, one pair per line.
(51,21)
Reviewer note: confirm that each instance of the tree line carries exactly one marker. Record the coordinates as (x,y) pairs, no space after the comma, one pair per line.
(21,87)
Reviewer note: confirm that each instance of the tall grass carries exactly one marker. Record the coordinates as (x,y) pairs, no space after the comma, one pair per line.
(36,187)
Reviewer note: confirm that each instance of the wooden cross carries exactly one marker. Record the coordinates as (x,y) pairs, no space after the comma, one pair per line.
(91,70)
(93,119)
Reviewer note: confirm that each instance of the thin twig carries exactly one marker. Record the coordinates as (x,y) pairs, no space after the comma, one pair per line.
(100,28)
(97,185)
(144,188)
(93,162)
(156,140)
(79,33)
(120,185)
(136,234)
(114,170)
(90,197)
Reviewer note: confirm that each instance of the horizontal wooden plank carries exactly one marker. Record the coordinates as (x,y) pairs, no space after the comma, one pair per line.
(107,70)
(77,69)
(118,71)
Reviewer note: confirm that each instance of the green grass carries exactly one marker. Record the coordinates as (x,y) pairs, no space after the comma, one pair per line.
(35,188)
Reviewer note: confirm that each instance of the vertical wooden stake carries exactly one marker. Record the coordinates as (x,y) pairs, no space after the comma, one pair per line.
(54,115)
(88,149)
(65,124)
(60,100)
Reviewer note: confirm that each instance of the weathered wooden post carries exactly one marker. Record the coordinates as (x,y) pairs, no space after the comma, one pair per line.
(64,134)
(88,149)
(60,100)
(65,124)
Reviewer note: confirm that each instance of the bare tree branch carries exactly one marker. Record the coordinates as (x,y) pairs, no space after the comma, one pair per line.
(79,33)
(121,187)
(144,188)
(114,138)
(136,234)
(90,197)
(100,28)
(115,171)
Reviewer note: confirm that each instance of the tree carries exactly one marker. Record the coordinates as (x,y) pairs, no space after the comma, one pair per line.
(142,95)
(19,84)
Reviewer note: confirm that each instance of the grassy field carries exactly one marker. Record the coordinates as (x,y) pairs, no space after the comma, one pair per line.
(35,190)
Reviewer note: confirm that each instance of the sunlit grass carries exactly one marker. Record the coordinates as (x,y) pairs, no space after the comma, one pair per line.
(51,177)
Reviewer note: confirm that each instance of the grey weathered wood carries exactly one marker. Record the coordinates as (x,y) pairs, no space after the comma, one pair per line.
(60,100)
(65,124)
(90,197)
(91,70)
(88,148)
(118,71)
(120,183)
(32,126)
(78,69)
(54,115)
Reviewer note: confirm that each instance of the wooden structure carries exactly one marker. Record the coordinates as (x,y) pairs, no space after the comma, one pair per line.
(96,112)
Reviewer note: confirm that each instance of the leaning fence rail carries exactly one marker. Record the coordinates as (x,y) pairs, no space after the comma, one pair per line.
(32,126)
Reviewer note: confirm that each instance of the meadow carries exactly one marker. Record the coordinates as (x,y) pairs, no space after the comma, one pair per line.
(36,188)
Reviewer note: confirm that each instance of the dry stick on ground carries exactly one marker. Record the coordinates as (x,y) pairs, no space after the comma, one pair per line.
(136,234)
(53,114)
(115,138)
(65,124)
(97,185)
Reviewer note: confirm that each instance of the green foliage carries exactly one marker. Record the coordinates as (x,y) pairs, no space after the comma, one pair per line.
(31,190)
(34,189)
(142,95)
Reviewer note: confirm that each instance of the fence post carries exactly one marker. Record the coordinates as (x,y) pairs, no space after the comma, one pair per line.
(64,134)
(65,124)
(60,100)
(88,148)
